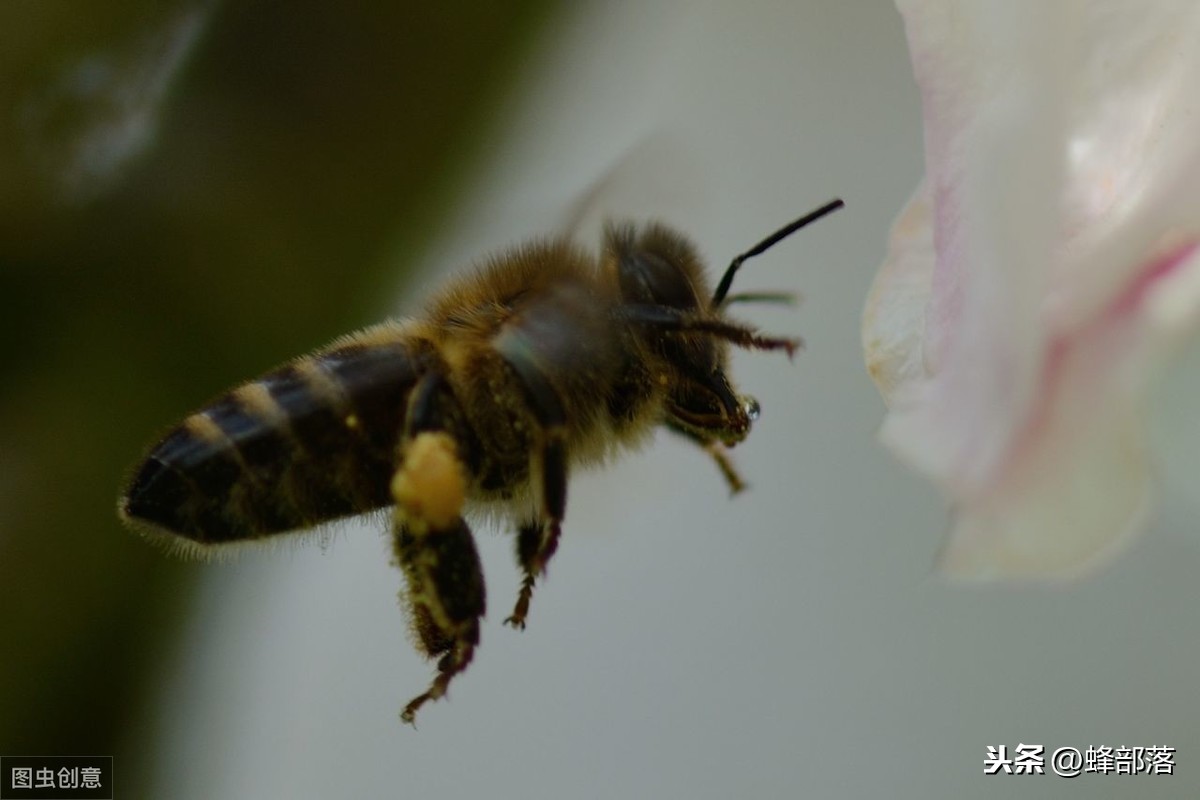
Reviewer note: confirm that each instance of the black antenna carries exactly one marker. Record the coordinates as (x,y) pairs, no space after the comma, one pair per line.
(774,238)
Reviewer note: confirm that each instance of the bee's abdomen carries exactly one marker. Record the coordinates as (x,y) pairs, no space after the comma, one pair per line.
(312,441)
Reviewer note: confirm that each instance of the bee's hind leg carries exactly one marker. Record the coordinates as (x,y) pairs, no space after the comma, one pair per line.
(435,549)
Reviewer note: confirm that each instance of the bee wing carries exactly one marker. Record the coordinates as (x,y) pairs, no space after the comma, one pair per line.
(656,178)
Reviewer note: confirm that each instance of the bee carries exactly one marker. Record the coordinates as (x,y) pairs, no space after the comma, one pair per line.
(544,361)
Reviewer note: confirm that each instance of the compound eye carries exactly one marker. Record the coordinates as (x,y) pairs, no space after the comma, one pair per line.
(649,278)
(751,407)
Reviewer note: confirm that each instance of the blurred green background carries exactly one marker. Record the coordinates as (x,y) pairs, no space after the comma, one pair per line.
(189,194)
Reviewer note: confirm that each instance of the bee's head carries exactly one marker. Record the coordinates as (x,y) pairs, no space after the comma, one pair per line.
(666,298)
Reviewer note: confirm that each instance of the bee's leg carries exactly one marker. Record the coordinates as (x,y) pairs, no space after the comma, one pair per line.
(718,453)
(529,544)
(537,541)
(665,318)
(434,548)
(445,596)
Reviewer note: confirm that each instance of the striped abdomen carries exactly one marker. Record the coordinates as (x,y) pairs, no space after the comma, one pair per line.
(312,441)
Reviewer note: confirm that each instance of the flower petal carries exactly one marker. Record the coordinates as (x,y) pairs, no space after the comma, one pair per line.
(1078,483)
(993,122)
(1133,158)
(1042,272)
(894,320)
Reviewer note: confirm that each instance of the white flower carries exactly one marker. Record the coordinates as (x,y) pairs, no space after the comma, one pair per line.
(1043,271)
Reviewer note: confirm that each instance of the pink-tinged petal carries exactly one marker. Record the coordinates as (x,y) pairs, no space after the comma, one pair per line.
(1077,484)
(992,118)
(1133,150)
(894,320)
(1042,272)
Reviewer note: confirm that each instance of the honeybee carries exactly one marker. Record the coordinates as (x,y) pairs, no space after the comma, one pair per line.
(543,361)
